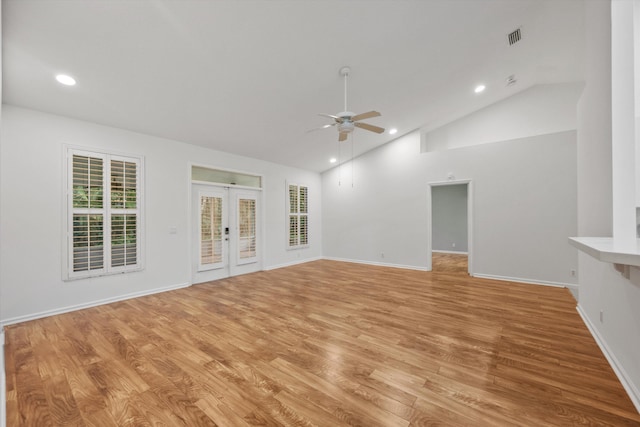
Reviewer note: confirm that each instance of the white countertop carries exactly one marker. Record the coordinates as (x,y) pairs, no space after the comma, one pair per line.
(606,250)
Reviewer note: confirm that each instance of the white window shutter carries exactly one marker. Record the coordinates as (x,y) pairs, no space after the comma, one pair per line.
(298,216)
(103,214)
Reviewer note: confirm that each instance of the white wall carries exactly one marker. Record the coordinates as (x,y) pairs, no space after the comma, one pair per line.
(3,387)
(539,110)
(623,124)
(594,126)
(636,78)
(449,216)
(524,194)
(602,288)
(31,154)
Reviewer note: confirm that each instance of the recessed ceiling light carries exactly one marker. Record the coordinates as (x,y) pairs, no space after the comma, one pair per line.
(65,80)
(333,160)
(393,131)
(479,88)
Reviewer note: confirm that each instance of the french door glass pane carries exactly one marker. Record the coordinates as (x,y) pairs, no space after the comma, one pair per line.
(210,230)
(247,228)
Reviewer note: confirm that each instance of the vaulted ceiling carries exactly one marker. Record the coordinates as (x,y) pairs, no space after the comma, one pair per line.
(250,77)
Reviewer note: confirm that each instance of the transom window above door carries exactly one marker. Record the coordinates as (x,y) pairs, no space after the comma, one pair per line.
(219,176)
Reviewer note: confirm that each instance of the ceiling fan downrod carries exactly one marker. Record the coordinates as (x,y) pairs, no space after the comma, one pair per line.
(344,72)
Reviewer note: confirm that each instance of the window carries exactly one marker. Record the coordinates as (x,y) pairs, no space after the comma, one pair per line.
(205,174)
(298,217)
(103,209)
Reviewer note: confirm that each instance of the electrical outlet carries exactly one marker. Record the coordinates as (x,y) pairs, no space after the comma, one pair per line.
(573,273)
(453,245)
(381,254)
(601,316)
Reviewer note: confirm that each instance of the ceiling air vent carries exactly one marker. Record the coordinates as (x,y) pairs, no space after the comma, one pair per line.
(514,37)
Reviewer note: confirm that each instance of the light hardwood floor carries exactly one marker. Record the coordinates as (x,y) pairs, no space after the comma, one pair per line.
(449,263)
(323,343)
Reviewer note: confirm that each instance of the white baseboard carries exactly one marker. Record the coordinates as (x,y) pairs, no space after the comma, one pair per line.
(95,303)
(630,388)
(450,252)
(572,287)
(379,264)
(292,263)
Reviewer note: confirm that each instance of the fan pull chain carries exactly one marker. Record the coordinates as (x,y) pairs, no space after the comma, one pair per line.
(339,165)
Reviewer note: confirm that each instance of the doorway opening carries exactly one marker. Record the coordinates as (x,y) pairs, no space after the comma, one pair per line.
(450,226)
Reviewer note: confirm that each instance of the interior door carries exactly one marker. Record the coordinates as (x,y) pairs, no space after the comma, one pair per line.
(226,232)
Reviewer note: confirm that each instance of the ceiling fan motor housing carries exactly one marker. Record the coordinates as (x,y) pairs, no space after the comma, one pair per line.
(346,126)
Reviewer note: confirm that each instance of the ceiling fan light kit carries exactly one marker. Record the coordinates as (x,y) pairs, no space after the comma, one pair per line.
(346,121)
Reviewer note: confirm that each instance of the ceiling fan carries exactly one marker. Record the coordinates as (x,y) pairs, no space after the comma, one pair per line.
(347,121)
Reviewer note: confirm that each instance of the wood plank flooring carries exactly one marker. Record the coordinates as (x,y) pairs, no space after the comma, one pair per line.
(442,262)
(323,343)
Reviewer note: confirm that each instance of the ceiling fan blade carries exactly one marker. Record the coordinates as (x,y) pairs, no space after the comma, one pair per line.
(372,128)
(367,115)
(321,127)
(343,136)
(331,116)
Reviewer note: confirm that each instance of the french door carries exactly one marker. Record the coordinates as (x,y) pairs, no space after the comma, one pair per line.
(226,232)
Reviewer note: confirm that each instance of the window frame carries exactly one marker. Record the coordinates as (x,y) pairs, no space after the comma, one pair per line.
(297,214)
(107,211)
